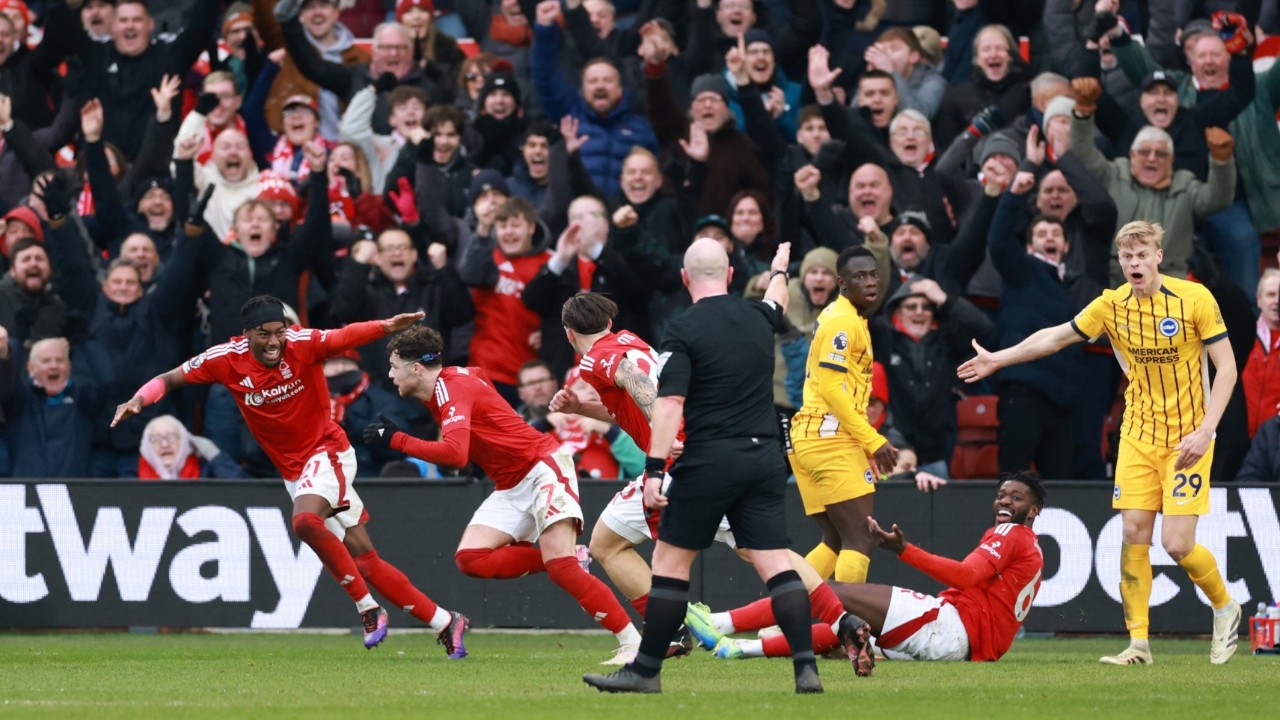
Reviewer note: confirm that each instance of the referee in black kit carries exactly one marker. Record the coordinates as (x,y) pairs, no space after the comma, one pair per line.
(717,375)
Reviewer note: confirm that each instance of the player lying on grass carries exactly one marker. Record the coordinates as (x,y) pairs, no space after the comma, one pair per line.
(989,595)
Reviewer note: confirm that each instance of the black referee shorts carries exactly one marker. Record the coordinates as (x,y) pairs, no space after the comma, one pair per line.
(742,479)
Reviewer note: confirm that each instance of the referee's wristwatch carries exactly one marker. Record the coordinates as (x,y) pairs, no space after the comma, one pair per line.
(783,273)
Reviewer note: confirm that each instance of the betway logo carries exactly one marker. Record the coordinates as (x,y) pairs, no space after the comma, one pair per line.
(1080,556)
(135,565)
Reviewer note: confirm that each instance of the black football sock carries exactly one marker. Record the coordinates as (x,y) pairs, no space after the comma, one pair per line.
(791,610)
(668,601)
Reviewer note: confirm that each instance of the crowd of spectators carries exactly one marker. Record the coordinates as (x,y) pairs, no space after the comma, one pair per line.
(160,163)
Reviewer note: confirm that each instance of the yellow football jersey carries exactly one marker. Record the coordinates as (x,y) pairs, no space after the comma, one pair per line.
(837,379)
(1160,343)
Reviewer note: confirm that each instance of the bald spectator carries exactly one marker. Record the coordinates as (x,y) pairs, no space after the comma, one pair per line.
(836,226)
(1261,376)
(51,416)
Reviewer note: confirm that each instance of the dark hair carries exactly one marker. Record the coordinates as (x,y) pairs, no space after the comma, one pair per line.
(874,74)
(588,313)
(438,114)
(25,243)
(766,243)
(810,112)
(404,93)
(420,343)
(601,60)
(514,206)
(1031,479)
(533,365)
(258,301)
(1043,218)
(540,128)
(849,253)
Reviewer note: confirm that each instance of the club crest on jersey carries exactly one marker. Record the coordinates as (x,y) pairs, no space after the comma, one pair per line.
(284,370)
(840,341)
(1169,327)
(870,478)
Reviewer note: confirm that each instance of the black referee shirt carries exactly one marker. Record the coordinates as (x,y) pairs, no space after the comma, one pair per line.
(718,355)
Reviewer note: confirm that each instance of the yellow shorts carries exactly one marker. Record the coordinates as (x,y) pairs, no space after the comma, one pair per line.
(1145,480)
(829,471)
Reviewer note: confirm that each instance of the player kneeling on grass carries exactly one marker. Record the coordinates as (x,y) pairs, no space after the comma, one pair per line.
(275,373)
(989,595)
(536,494)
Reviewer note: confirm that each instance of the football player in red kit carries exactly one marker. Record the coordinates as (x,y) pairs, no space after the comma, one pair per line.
(536,494)
(989,595)
(275,372)
(623,369)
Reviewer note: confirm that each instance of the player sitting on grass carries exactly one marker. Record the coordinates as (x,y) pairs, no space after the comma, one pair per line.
(990,594)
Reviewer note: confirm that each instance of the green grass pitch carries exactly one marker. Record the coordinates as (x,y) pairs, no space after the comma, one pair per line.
(528,677)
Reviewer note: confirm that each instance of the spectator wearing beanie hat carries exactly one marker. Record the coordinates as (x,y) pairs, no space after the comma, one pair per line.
(500,122)
(722,161)
(276,190)
(758,78)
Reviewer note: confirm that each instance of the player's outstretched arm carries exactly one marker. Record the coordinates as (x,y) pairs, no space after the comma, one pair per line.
(150,393)
(567,401)
(403,321)
(1039,344)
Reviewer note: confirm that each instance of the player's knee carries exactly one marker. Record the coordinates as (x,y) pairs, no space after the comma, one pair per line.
(366,562)
(1178,548)
(562,570)
(307,526)
(474,563)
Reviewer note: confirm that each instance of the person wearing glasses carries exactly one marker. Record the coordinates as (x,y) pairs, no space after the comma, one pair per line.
(170,452)
(1145,184)
(392,52)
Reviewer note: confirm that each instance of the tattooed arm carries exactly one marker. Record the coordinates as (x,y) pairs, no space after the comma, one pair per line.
(638,385)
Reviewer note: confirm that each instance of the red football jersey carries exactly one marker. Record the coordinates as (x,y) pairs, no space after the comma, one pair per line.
(503,323)
(600,364)
(286,406)
(498,440)
(993,610)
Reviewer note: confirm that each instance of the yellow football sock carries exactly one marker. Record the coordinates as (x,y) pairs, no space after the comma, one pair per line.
(852,567)
(1203,570)
(1135,588)
(823,560)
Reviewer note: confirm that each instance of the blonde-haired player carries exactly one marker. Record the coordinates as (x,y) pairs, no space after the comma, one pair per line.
(1162,327)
